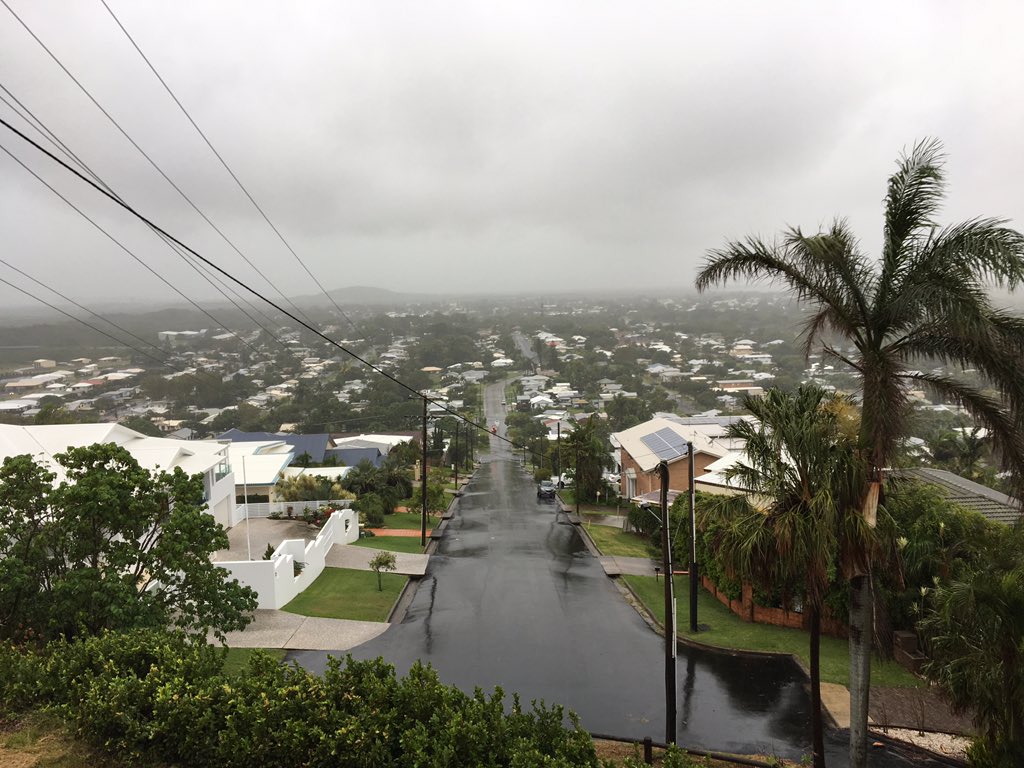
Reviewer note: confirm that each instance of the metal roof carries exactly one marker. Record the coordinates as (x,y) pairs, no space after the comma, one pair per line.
(994,505)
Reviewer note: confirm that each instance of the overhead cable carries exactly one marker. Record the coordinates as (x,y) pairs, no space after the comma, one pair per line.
(308,326)
(150,160)
(223,162)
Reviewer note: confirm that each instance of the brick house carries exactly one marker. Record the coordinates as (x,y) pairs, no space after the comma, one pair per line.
(664,438)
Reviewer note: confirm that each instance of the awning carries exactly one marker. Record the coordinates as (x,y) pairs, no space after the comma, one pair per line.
(654,497)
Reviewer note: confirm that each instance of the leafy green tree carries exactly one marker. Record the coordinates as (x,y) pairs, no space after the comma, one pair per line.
(371,507)
(437,501)
(118,547)
(362,478)
(382,561)
(24,516)
(626,412)
(975,638)
(802,472)
(585,449)
(142,425)
(55,413)
(924,301)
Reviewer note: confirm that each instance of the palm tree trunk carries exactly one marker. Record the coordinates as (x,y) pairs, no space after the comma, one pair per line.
(860,667)
(817,726)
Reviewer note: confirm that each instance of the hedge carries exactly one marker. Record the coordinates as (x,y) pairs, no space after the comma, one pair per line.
(151,697)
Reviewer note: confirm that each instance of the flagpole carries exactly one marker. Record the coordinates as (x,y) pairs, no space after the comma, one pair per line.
(245,497)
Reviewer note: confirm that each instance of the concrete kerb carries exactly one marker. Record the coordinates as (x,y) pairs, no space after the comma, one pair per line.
(585,535)
(638,605)
(401,606)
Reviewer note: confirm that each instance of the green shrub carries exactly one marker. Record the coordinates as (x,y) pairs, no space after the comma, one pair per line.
(151,697)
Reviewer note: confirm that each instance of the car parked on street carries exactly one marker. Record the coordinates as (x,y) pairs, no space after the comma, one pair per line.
(545,490)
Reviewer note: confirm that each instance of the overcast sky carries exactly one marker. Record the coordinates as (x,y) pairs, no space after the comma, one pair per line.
(490,147)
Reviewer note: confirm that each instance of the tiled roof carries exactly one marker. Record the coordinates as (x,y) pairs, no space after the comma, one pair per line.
(994,505)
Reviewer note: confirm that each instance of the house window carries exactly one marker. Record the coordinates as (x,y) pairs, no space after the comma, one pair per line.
(630,483)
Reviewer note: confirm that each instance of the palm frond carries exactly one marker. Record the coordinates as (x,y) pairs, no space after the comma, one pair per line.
(983,246)
(752,259)
(1004,428)
(833,257)
(912,199)
(990,341)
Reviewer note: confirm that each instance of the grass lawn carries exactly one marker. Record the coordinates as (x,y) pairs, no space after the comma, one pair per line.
(614,541)
(407,520)
(391,544)
(237,659)
(342,593)
(608,507)
(730,631)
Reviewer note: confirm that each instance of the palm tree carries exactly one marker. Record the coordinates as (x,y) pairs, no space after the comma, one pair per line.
(801,471)
(974,637)
(585,449)
(925,298)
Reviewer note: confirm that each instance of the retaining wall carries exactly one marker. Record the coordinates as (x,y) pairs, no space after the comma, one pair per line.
(275,580)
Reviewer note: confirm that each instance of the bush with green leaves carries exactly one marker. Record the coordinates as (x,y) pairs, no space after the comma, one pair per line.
(147,696)
(112,546)
(371,508)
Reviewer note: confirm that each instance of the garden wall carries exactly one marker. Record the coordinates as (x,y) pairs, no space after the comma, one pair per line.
(275,580)
(750,611)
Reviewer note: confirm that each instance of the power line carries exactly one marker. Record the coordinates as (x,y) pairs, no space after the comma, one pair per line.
(91,312)
(150,159)
(313,329)
(38,124)
(113,239)
(119,342)
(30,118)
(224,163)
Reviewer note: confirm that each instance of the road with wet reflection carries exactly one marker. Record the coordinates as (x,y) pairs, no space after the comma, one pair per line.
(512,598)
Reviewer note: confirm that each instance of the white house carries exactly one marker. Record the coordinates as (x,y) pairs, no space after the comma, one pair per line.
(206,457)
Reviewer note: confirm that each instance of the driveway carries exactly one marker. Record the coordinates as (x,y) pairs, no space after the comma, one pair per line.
(280,629)
(255,534)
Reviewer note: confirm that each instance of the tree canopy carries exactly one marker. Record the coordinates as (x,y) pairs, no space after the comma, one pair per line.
(891,320)
(113,546)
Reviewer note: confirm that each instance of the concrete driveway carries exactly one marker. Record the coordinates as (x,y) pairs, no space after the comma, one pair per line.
(254,535)
(280,629)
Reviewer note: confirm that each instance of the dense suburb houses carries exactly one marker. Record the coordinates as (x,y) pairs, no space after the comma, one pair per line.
(231,469)
(682,371)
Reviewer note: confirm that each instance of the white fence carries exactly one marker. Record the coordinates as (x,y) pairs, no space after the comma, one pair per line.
(266,509)
(275,580)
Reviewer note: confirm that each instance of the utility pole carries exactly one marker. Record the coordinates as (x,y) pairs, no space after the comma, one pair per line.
(456,457)
(693,542)
(576,482)
(670,612)
(558,455)
(423,479)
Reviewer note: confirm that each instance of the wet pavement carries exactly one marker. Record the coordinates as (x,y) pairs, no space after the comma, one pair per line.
(512,598)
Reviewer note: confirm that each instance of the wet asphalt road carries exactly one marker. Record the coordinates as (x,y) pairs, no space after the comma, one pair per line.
(512,598)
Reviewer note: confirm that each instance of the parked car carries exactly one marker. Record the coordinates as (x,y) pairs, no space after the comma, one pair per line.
(546,490)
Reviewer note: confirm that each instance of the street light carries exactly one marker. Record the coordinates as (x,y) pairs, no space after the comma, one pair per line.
(670,605)
(423,479)
(693,540)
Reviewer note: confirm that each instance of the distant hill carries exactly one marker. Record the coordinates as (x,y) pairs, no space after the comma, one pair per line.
(368,295)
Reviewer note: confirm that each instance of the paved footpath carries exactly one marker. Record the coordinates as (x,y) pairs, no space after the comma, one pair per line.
(280,629)
(616,565)
(399,532)
(358,558)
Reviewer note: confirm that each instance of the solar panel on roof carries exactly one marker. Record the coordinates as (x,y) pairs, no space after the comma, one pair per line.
(666,444)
